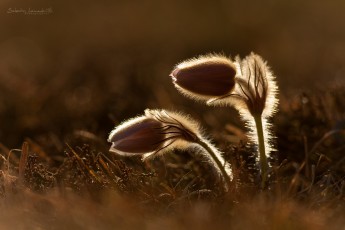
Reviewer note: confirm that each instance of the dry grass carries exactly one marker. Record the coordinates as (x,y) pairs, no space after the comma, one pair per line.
(89,188)
(67,78)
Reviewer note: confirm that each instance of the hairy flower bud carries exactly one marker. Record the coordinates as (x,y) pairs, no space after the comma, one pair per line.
(152,133)
(256,89)
(248,85)
(142,135)
(205,77)
(157,131)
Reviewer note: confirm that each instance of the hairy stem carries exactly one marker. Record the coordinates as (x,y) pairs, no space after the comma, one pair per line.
(217,161)
(262,152)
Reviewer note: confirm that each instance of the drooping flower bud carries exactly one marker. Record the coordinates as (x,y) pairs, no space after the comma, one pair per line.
(205,78)
(158,131)
(152,133)
(137,136)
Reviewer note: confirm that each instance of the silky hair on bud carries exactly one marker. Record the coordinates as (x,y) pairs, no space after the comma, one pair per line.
(183,132)
(142,131)
(205,78)
(256,87)
(159,131)
(178,129)
(247,84)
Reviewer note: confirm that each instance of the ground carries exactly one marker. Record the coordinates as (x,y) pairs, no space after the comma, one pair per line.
(69,77)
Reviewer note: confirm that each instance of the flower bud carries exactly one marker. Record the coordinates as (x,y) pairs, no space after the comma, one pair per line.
(158,131)
(137,136)
(255,97)
(256,89)
(206,77)
(154,132)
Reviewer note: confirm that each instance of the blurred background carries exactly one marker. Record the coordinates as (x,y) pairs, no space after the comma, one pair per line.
(87,65)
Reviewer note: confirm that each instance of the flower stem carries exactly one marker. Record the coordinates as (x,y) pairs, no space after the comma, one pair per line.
(262,152)
(217,161)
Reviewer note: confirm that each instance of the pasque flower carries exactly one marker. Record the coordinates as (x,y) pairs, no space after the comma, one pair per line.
(158,131)
(205,78)
(153,133)
(256,90)
(246,84)
(255,96)
(137,136)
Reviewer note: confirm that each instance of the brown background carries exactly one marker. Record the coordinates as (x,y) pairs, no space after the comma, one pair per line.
(90,64)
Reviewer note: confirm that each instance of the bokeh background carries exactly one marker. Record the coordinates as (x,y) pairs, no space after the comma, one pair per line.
(88,65)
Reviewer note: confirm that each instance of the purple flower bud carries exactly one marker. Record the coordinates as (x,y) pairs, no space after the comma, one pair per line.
(153,133)
(206,77)
(158,131)
(137,137)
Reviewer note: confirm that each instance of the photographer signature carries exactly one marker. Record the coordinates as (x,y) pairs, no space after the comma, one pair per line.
(30,11)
